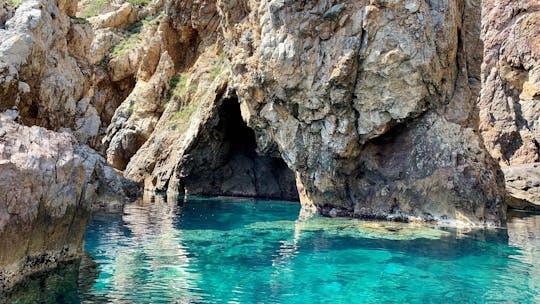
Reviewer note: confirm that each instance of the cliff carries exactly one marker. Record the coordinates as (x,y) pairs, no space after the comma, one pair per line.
(382,126)
(509,109)
(379,109)
(49,181)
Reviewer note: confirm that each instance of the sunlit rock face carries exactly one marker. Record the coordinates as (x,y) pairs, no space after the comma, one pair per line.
(47,187)
(509,104)
(523,186)
(370,103)
(43,211)
(44,69)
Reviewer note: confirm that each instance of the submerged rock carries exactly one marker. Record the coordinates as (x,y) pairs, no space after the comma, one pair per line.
(47,187)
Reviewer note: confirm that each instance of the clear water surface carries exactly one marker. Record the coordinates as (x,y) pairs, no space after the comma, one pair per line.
(247,251)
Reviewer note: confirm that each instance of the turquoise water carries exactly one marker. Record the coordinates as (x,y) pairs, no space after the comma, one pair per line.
(231,251)
(245,251)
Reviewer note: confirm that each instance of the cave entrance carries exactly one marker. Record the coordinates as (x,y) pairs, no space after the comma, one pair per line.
(231,166)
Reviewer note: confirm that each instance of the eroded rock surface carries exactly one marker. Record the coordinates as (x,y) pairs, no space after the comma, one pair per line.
(43,66)
(510,101)
(379,126)
(383,126)
(523,186)
(47,187)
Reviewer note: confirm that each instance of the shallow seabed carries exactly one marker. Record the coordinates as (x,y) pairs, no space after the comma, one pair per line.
(249,251)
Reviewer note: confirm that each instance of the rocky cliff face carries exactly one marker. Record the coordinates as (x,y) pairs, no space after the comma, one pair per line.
(47,188)
(511,83)
(44,68)
(358,108)
(43,210)
(382,126)
(509,103)
(49,181)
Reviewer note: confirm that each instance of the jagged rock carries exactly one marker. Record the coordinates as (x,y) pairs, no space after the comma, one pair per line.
(509,103)
(121,17)
(523,186)
(153,63)
(47,187)
(136,117)
(43,67)
(104,40)
(110,190)
(379,126)
(382,126)
(201,146)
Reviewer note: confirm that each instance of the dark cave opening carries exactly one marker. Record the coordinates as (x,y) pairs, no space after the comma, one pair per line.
(239,137)
(232,166)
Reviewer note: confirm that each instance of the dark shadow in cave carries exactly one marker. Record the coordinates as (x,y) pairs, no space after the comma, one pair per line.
(230,164)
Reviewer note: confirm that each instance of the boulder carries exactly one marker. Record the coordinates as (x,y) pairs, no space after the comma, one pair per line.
(47,187)
(523,186)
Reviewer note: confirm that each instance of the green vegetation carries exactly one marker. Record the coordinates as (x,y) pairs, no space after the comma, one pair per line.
(185,112)
(104,62)
(218,68)
(139,2)
(14,2)
(178,86)
(96,5)
(134,40)
(137,26)
(214,72)
(75,18)
(132,106)
(94,8)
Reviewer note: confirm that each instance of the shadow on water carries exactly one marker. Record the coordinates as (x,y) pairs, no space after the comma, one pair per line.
(58,286)
(206,250)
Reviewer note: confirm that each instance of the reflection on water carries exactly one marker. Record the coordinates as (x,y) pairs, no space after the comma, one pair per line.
(143,248)
(246,251)
(524,233)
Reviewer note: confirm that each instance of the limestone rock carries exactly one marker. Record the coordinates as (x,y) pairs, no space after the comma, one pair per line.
(135,119)
(42,213)
(47,186)
(509,104)
(370,105)
(153,63)
(523,186)
(43,63)
(104,40)
(117,18)
(109,189)
(201,145)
